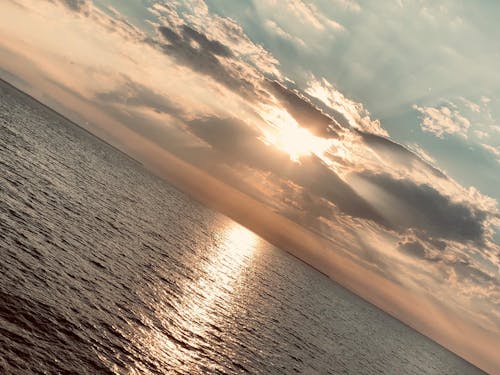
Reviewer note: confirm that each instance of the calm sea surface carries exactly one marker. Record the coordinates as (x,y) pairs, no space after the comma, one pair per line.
(105,268)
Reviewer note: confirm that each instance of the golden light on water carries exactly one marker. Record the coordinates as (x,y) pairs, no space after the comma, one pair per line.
(240,239)
(219,280)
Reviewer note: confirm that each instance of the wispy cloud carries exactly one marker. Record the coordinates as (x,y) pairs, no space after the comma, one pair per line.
(495,151)
(353,113)
(308,13)
(274,28)
(443,120)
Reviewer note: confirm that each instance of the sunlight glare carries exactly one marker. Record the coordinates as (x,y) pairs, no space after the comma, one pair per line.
(288,136)
(293,140)
(240,237)
(297,142)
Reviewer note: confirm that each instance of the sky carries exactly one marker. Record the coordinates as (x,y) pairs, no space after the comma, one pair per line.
(362,136)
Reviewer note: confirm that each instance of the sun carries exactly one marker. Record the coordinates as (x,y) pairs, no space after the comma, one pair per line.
(284,133)
(296,141)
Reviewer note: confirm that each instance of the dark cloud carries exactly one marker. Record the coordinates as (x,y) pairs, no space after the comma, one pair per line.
(304,112)
(437,243)
(417,249)
(307,209)
(394,152)
(193,49)
(79,6)
(240,143)
(414,248)
(333,113)
(315,207)
(170,35)
(315,175)
(214,46)
(427,210)
(463,268)
(466,270)
(76,5)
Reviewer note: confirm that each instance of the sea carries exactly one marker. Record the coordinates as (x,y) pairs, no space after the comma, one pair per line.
(105,268)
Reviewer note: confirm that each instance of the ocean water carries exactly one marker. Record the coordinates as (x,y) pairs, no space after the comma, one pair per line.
(105,268)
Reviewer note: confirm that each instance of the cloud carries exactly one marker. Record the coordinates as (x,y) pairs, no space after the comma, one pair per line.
(466,270)
(395,153)
(481,134)
(196,51)
(471,105)
(313,174)
(213,46)
(276,29)
(307,12)
(417,249)
(492,149)
(443,120)
(194,13)
(349,5)
(307,209)
(134,94)
(304,112)
(347,112)
(114,22)
(422,208)
(421,153)
(77,5)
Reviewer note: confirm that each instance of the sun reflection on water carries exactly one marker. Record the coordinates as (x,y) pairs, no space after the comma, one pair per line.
(210,301)
(240,239)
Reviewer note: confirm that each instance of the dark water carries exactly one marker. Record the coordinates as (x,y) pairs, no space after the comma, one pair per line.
(104,268)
